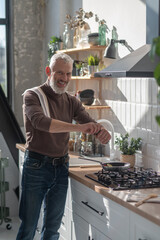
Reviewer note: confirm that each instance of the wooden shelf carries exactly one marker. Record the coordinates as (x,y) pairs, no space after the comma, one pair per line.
(85,78)
(91,48)
(96,107)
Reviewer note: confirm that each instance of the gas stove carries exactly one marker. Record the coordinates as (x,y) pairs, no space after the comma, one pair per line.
(127,179)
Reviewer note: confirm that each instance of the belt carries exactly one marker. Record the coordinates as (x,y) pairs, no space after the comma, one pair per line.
(53,160)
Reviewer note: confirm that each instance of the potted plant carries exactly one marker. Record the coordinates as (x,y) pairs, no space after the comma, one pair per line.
(78,65)
(93,62)
(128,148)
(54,44)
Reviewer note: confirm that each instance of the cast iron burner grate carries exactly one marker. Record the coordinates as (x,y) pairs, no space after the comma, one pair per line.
(127,179)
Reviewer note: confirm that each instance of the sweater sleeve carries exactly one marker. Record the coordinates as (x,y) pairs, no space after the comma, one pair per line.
(33,111)
(80,114)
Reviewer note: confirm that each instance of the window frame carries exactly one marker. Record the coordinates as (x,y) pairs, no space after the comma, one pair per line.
(7,22)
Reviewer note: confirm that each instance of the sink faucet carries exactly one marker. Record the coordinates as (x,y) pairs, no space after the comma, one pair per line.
(105,122)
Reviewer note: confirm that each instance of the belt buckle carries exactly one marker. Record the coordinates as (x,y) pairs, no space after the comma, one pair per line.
(53,161)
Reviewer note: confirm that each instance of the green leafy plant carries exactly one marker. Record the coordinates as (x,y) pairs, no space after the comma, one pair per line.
(155,50)
(53,46)
(128,146)
(79,65)
(93,60)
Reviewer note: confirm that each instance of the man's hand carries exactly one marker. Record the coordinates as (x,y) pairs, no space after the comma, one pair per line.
(90,128)
(103,135)
(96,129)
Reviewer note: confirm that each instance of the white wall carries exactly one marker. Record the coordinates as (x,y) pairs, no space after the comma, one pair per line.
(129,18)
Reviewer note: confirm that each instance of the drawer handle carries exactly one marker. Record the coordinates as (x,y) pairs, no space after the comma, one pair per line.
(142,239)
(86,203)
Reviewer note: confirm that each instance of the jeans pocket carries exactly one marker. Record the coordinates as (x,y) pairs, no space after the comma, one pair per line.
(32,163)
(66,165)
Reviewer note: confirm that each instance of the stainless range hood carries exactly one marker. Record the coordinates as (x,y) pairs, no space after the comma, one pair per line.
(135,64)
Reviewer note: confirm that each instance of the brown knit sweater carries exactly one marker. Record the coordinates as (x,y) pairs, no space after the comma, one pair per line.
(62,107)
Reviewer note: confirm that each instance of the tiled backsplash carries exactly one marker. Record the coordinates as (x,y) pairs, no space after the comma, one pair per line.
(133,103)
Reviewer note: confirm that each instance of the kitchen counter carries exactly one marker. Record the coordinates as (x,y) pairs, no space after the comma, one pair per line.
(150,211)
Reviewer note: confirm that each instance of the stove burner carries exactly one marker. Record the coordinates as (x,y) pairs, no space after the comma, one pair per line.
(127,179)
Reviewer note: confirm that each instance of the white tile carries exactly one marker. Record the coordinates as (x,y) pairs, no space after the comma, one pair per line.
(119,111)
(150,91)
(123,113)
(110,89)
(143,118)
(118,87)
(153,138)
(158,113)
(123,89)
(133,133)
(148,116)
(142,134)
(138,90)
(128,89)
(154,123)
(133,90)
(154,89)
(138,116)
(144,90)
(133,115)
(128,115)
(114,89)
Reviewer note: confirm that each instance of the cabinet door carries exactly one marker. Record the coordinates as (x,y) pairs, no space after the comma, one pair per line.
(79,228)
(142,229)
(97,235)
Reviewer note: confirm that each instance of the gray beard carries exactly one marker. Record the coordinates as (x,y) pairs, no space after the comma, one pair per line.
(56,89)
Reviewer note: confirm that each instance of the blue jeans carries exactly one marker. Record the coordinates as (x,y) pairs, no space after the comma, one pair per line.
(42,181)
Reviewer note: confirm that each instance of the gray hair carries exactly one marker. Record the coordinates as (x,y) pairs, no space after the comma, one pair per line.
(60,56)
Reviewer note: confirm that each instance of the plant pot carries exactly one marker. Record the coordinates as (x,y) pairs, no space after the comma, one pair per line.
(128,159)
(92,69)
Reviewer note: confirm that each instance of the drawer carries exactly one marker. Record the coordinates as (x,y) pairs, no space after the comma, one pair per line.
(106,215)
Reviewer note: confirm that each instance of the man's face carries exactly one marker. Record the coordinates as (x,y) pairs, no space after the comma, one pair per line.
(60,76)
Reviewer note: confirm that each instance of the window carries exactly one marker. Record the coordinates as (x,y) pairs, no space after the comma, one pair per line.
(5,49)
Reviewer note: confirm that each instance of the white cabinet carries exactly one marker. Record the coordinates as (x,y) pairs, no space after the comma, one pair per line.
(142,229)
(93,216)
(81,229)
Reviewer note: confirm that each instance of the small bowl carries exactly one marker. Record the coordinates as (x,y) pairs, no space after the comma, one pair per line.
(88,93)
(87,101)
(93,39)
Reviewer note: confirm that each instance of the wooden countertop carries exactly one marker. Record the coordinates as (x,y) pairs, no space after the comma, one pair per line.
(150,211)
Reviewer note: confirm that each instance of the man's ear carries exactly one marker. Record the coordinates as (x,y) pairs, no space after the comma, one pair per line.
(48,71)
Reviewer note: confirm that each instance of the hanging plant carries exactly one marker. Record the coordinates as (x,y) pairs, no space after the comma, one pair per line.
(155,50)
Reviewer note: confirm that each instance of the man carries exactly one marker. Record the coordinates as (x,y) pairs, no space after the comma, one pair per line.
(45,171)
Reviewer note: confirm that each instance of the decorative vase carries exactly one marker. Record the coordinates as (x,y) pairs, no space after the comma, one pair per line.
(128,159)
(102,34)
(92,69)
(83,35)
(76,37)
(66,37)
